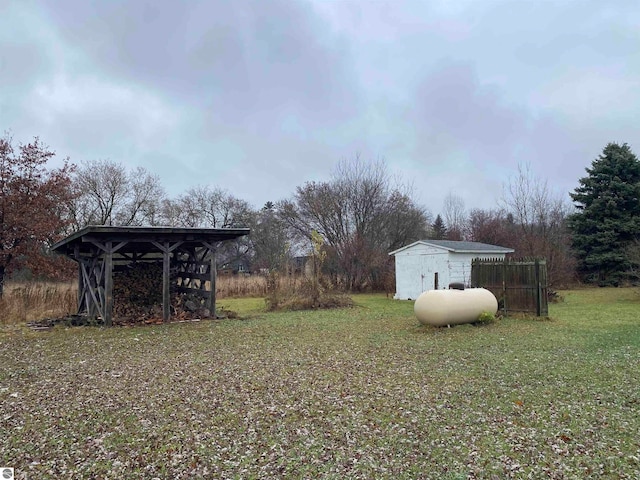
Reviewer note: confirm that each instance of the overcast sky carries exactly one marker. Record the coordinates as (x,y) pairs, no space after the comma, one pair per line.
(261,96)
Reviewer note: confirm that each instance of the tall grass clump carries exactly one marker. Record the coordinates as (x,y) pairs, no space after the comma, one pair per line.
(233,286)
(242,286)
(306,294)
(313,291)
(23,302)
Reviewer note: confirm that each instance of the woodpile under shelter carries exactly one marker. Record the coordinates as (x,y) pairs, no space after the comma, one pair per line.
(187,256)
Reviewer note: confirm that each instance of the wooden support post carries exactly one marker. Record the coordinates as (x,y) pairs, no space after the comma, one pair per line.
(108,285)
(213,272)
(86,284)
(166,292)
(81,291)
(76,253)
(212,281)
(166,248)
(91,285)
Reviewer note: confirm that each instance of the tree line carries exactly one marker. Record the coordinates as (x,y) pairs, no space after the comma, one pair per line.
(361,214)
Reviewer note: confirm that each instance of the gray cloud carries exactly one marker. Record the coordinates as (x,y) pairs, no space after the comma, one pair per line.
(236,59)
(261,96)
(454,111)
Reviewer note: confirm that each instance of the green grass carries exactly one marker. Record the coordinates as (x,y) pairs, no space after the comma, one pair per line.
(364,392)
(243,306)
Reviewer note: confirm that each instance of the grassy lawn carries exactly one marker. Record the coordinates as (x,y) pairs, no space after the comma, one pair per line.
(358,393)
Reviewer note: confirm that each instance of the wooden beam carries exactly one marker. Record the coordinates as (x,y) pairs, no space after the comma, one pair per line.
(76,253)
(166,292)
(90,284)
(108,285)
(108,246)
(211,301)
(166,248)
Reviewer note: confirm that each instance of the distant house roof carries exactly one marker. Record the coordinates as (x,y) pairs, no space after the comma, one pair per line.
(459,247)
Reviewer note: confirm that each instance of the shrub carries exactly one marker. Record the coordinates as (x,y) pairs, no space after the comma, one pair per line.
(314,291)
(485,318)
(308,294)
(554,297)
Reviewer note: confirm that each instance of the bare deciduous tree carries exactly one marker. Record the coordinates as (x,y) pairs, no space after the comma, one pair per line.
(143,202)
(540,217)
(494,227)
(455,216)
(361,217)
(271,246)
(212,207)
(404,220)
(108,194)
(207,207)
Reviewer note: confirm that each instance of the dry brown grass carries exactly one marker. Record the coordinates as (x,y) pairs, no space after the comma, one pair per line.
(237,286)
(30,301)
(307,294)
(24,302)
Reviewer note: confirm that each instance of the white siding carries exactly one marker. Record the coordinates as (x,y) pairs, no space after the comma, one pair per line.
(460,267)
(416,273)
(421,249)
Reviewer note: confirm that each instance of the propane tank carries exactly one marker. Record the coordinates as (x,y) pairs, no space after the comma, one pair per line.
(454,307)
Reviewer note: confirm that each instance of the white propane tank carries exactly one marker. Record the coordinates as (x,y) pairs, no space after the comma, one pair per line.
(453,307)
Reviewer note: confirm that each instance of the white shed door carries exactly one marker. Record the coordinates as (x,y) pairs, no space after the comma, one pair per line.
(422,272)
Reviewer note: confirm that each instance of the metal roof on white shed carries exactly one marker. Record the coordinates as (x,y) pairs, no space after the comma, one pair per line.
(458,247)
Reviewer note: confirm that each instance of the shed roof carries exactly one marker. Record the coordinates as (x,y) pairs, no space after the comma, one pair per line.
(139,239)
(459,247)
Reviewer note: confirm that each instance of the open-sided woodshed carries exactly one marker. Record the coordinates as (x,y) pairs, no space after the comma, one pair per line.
(186,254)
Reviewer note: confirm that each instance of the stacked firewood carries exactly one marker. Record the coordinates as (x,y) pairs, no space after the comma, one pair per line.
(137,291)
(137,296)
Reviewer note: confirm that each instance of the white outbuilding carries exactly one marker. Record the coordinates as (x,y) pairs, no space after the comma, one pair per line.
(434,264)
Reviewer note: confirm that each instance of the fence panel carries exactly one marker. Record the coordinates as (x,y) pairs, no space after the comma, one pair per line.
(520,285)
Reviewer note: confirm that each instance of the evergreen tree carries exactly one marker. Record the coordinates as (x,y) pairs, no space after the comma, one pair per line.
(607,220)
(439,229)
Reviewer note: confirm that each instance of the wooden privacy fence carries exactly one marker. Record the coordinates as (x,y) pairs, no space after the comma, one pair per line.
(520,285)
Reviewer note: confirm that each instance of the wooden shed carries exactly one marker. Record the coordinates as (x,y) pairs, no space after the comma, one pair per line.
(188,253)
(434,264)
